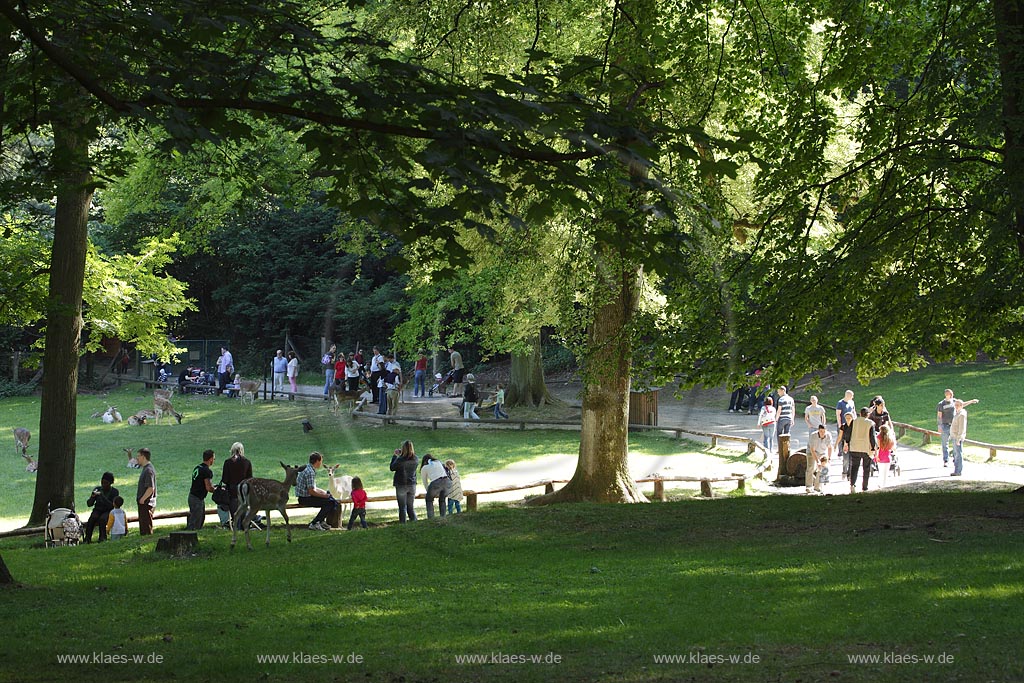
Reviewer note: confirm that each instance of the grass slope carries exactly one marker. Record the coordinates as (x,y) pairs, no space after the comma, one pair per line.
(802,584)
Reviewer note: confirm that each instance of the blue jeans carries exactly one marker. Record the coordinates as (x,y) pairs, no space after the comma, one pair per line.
(328,380)
(767,436)
(361,514)
(454,505)
(958,457)
(406,496)
(944,431)
(382,407)
(420,383)
(498,412)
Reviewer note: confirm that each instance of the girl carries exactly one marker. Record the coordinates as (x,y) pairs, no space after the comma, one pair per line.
(454,487)
(358,503)
(327,364)
(766,420)
(886,444)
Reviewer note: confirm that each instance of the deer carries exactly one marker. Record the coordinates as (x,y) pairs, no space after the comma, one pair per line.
(257,494)
(248,389)
(162,405)
(133,462)
(21,439)
(163,393)
(340,487)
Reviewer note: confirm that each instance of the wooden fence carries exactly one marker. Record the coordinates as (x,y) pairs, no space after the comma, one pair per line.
(902,429)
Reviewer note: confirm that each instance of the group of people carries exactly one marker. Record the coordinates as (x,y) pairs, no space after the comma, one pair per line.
(107,505)
(441,480)
(382,375)
(865,437)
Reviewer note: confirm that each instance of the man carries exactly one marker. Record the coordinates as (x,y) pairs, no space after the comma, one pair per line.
(225,366)
(102,502)
(280,367)
(819,453)
(958,432)
(202,484)
(237,469)
(458,372)
(945,411)
(861,445)
(376,370)
(145,494)
(787,409)
(814,415)
(845,405)
(310,496)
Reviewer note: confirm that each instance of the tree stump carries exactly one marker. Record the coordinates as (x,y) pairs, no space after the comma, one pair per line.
(659,490)
(783,456)
(178,542)
(705,489)
(334,519)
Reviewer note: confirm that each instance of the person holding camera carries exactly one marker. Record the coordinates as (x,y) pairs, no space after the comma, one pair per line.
(102,502)
(403,464)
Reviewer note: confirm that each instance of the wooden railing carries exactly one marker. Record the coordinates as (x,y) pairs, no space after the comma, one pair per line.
(902,429)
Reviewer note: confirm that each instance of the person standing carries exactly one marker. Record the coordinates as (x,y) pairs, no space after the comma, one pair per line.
(814,415)
(102,502)
(819,453)
(844,406)
(202,484)
(353,370)
(310,495)
(499,404)
(945,411)
(237,469)
(957,433)
(455,494)
(145,494)
(879,415)
(786,411)
(403,464)
(419,376)
(293,373)
(327,365)
(117,522)
(376,370)
(766,421)
(280,367)
(844,437)
(225,367)
(470,398)
(458,372)
(861,445)
(435,481)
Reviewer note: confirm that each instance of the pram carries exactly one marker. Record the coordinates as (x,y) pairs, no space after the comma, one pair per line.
(440,385)
(63,527)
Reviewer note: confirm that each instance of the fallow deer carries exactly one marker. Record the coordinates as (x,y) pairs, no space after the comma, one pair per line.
(257,494)
(248,389)
(21,439)
(162,405)
(133,462)
(340,487)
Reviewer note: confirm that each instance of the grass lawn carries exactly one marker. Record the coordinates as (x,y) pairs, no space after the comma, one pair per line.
(270,432)
(793,587)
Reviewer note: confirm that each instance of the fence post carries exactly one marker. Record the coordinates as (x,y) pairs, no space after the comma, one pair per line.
(991,454)
(705,488)
(926,439)
(549,487)
(659,490)
(470,501)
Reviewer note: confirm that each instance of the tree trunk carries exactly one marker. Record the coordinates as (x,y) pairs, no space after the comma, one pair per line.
(602,471)
(57,420)
(526,385)
(1009,21)
(5,573)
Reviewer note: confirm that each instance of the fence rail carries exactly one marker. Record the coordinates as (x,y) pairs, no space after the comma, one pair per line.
(902,428)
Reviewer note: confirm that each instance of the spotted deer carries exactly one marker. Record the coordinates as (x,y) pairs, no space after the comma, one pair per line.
(162,405)
(133,462)
(248,389)
(21,439)
(257,494)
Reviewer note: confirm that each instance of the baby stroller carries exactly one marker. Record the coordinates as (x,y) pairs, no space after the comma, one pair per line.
(440,385)
(63,527)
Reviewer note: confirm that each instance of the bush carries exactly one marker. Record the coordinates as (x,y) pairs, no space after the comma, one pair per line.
(557,359)
(9,388)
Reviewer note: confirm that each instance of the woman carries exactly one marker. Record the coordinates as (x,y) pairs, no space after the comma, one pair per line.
(879,415)
(352,372)
(420,386)
(469,398)
(435,480)
(403,464)
(844,438)
(766,420)
(293,372)
(327,363)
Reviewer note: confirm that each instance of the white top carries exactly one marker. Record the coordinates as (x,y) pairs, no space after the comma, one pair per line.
(120,525)
(432,471)
(293,367)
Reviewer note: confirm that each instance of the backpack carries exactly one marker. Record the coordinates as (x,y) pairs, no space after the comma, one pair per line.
(221,495)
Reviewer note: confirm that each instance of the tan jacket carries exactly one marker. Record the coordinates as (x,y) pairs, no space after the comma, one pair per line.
(862,436)
(958,429)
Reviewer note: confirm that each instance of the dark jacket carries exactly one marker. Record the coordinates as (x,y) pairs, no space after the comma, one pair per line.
(469,394)
(236,470)
(404,469)
(103,502)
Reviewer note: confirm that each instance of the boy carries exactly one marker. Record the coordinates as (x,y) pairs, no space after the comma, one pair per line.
(499,401)
(117,523)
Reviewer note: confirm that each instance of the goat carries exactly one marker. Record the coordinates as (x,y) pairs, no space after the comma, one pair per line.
(161,406)
(21,439)
(133,463)
(140,418)
(340,488)
(257,494)
(111,415)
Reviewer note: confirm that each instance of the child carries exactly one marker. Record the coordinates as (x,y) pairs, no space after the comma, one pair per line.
(358,504)
(886,444)
(454,488)
(499,401)
(117,523)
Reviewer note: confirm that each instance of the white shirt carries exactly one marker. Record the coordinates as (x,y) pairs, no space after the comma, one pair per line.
(224,361)
(375,363)
(293,367)
(432,471)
